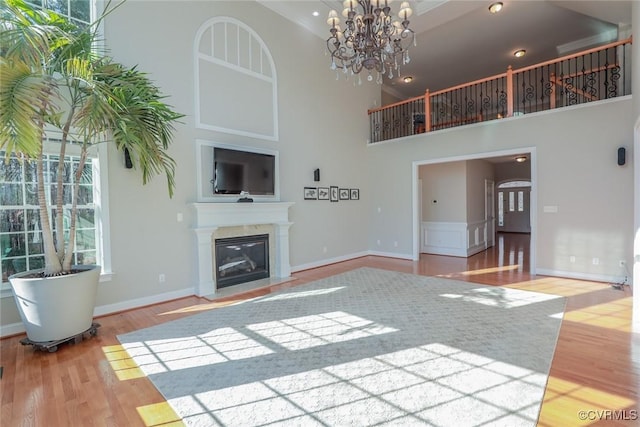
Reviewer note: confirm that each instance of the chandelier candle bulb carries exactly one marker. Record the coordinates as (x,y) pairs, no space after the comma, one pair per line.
(333,19)
(405,10)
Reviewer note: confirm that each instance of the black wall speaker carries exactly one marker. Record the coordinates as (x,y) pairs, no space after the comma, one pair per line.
(316,175)
(622,156)
(127,159)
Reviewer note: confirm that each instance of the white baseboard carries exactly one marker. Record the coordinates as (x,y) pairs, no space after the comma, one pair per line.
(11,329)
(433,250)
(391,255)
(342,258)
(18,328)
(327,261)
(475,249)
(141,302)
(581,276)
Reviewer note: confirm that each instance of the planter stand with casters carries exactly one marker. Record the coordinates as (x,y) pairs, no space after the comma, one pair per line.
(52,346)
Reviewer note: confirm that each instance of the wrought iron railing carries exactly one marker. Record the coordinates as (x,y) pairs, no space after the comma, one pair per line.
(592,75)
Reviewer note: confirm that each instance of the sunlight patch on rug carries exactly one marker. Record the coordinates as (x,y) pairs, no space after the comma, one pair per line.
(299,294)
(216,346)
(366,347)
(501,297)
(321,329)
(433,383)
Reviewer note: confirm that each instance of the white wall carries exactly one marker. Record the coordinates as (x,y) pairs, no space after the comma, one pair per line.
(444,189)
(576,170)
(312,108)
(508,171)
(477,172)
(454,191)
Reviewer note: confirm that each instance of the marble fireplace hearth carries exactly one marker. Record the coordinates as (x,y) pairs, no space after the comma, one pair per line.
(221,220)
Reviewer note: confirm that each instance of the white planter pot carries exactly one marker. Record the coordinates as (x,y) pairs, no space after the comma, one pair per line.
(56,308)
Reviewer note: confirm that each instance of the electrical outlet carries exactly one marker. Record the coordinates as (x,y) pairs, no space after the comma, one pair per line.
(595,261)
(572,259)
(161,278)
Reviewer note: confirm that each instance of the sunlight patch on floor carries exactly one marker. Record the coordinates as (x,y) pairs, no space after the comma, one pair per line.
(159,414)
(121,362)
(564,400)
(202,307)
(491,270)
(216,346)
(610,315)
(557,286)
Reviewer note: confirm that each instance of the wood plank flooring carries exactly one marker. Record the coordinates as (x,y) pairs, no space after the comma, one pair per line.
(596,367)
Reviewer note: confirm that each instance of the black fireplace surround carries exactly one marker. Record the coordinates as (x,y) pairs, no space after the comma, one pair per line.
(241,259)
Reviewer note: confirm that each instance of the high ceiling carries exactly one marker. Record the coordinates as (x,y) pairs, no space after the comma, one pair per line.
(460,41)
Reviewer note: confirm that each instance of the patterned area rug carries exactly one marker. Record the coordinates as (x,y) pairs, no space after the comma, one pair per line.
(367,347)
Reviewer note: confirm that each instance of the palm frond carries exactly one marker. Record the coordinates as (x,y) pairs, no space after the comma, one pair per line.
(144,124)
(24,96)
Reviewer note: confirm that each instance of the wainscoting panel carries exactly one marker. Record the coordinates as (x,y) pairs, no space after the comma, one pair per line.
(453,238)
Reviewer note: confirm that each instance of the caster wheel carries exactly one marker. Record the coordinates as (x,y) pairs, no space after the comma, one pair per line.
(53,349)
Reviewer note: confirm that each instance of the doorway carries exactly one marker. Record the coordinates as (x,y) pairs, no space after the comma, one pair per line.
(514,207)
(504,173)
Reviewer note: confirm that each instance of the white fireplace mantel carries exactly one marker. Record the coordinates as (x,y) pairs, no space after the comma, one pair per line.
(211,216)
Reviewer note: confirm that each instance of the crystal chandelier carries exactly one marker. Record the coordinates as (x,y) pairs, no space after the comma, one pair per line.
(373,39)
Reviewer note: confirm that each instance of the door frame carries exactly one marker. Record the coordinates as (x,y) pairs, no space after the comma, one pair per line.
(416,196)
(515,189)
(490,211)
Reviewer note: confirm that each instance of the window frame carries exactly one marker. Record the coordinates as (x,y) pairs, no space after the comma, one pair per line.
(99,158)
(68,13)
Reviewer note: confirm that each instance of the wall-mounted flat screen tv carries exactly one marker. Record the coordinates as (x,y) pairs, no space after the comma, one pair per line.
(235,171)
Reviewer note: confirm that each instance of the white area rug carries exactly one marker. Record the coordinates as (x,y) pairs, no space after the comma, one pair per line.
(367,347)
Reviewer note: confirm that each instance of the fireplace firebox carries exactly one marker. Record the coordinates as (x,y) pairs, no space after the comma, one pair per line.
(241,259)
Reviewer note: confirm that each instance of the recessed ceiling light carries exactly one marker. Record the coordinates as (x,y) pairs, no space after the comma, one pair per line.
(407,79)
(315,13)
(495,7)
(519,53)
(521,159)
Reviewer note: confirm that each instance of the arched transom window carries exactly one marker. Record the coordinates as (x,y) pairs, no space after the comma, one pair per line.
(236,84)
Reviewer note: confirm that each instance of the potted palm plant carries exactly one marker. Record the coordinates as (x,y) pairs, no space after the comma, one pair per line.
(52,77)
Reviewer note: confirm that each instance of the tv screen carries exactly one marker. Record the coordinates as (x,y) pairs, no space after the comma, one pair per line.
(235,171)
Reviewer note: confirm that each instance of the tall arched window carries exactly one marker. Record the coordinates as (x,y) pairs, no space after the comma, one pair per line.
(236,84)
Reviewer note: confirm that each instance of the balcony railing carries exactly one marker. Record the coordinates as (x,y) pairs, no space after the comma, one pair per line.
(592,75)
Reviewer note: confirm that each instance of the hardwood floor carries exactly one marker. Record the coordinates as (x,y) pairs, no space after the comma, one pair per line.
(596,367)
